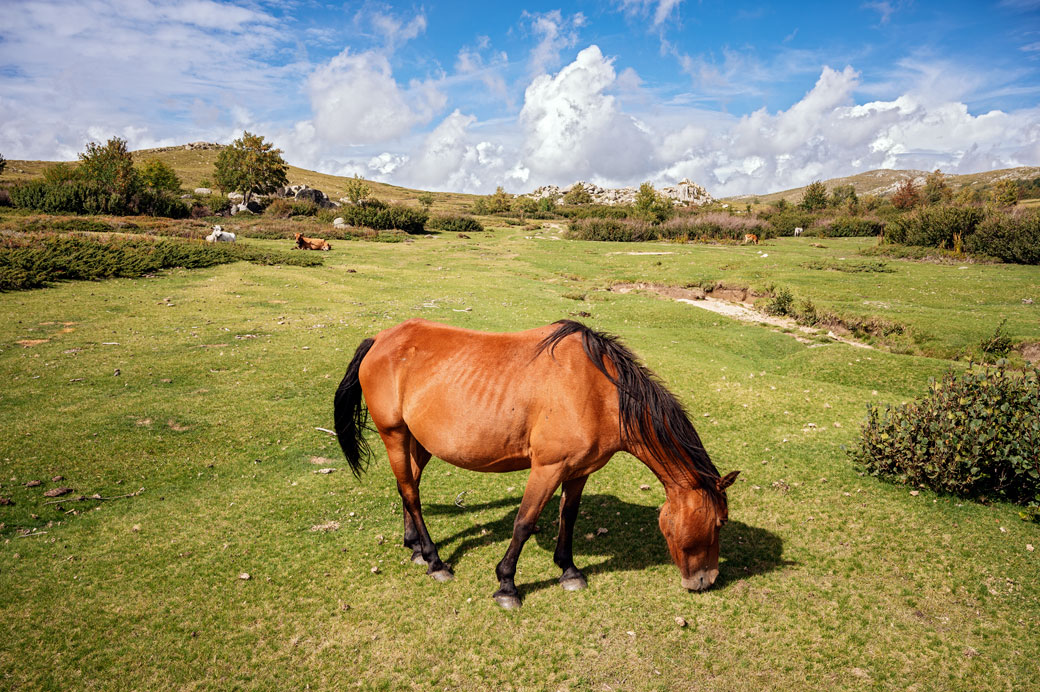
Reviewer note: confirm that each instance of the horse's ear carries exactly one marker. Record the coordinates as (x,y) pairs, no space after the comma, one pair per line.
(727,480)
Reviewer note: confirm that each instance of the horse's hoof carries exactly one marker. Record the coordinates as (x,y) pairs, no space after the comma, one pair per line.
(442,575)
(418,559)
(574,584)
(507,601)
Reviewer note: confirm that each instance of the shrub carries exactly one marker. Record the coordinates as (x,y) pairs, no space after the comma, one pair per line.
(906,195)
(782,303)
(939,226)
(577,195)
(382,217)
(849,227)
(279,208)
(455,222)
(999,344)
(588,211)
(1011,237)
(358,190)
(41,261)
(5,197)
(977,433)
(785,221)
(618,230)
(159,203)
(158,175)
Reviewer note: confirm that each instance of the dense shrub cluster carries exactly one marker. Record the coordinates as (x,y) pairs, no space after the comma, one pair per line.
(941,226)
(594,211)
(87,197)
(785,221)
(455,222)
(709,227)
(848,227)
(284,208)
(973,434)
(382,217)
(32,262)
(1009,237)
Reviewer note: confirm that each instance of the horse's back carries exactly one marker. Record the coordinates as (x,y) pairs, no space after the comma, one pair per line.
(489,401)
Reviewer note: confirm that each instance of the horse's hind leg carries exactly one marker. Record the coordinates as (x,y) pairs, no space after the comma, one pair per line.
(399,445)
(419,458)
(572,578)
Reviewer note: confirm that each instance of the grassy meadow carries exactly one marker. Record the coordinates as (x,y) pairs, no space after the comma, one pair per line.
(204,388)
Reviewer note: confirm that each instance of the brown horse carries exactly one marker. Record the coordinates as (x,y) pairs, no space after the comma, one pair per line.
(559,400)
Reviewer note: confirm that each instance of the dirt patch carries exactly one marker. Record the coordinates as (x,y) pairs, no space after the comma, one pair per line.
(736,304)
(29,343)
(177,427)
(1031,352)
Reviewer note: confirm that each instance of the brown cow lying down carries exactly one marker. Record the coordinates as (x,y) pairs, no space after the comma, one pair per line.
(303,243)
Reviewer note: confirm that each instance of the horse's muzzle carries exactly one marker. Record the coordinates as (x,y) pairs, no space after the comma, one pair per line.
(701,580)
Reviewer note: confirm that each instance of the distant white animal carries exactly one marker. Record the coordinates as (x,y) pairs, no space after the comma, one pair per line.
(798,231)
(219,235)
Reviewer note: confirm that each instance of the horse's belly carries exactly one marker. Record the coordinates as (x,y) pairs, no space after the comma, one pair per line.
(478,445)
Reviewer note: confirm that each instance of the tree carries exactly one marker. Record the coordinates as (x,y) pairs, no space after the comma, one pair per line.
(500,201)
(159,176)
(358,190)
(1005,194)
(60,173)
(906,195)
(111,166)
(426,201)
(577,195)
(844,196)
(3,164)
(936,191)
(968,196)
(250,166)
(650,205)
(814,197)
(524,206)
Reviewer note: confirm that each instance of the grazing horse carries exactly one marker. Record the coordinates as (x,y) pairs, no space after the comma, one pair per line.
(559,400)
(750,238)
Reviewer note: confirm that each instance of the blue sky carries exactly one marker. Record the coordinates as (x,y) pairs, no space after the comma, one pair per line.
(740,97)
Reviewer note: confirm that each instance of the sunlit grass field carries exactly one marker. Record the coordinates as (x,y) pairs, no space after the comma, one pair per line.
(205,388)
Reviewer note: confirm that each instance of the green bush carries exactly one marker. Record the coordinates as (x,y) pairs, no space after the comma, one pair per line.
(782,304)
(785,221)
(849,227)
(615,230)
(455,222)
(593,211)
(384,217)
(42,261)
(86,197)
(940,226)
(1010,237)
(977,433)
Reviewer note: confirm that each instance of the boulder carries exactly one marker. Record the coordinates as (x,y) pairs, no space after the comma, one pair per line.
(235,196)
(251,208)
(310,194)
(339,221)
(203,191)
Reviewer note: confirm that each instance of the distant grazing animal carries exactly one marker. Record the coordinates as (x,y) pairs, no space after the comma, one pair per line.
(798,231)
(303,243)
(559,400)
(219,235)
(750,238)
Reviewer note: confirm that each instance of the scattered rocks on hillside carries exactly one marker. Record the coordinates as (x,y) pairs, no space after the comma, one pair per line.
(683,192)
(203,191)
(251,207)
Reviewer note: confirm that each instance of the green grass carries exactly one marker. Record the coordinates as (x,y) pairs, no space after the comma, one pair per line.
(830,579)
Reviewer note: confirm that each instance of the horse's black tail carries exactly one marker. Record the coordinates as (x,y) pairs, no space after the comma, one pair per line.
(351,414)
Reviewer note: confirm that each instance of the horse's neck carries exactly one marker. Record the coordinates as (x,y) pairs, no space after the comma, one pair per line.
(672,476)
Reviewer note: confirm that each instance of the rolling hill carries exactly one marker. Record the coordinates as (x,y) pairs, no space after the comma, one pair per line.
(883,182)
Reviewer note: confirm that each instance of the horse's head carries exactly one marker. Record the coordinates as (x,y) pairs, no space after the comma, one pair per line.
(690,521)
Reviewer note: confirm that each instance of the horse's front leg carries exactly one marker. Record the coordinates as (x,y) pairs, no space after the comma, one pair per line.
(572,578)
(541,484)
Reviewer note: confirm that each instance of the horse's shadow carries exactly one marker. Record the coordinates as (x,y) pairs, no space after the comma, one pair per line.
(632,540)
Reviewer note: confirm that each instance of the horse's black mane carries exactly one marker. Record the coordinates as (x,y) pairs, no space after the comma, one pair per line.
(649,413)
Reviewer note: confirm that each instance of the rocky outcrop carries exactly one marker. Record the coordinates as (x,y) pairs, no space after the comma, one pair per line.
(306,193)
(685,192)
